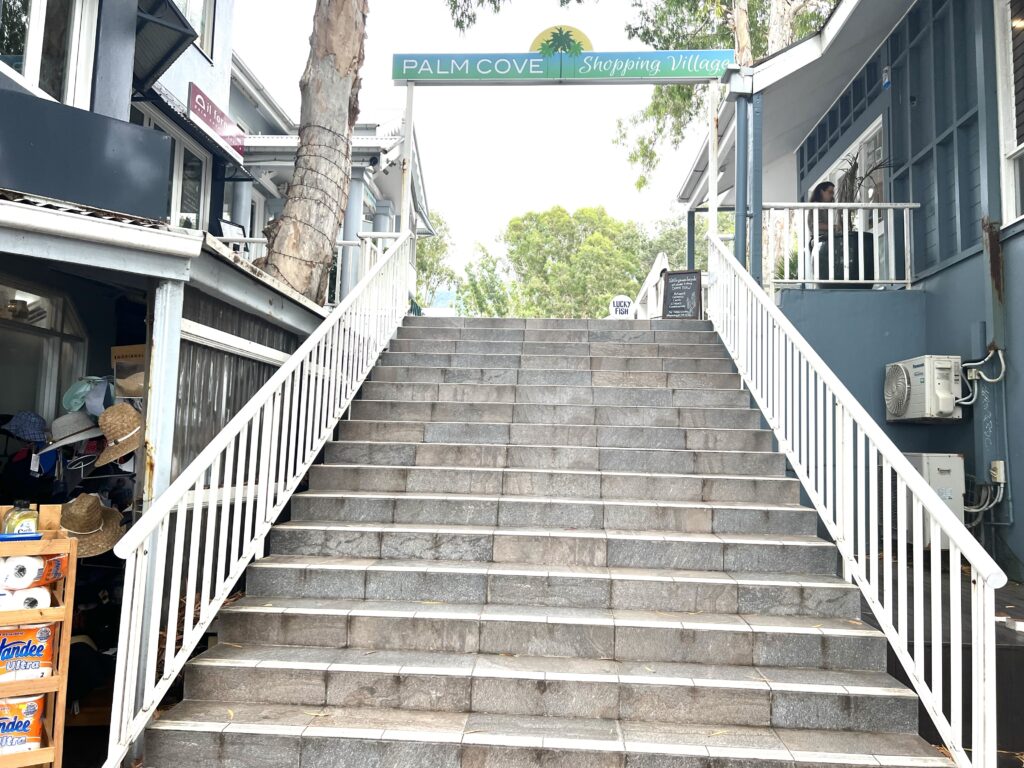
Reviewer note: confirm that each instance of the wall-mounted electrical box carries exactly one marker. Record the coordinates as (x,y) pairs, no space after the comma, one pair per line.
(945,474)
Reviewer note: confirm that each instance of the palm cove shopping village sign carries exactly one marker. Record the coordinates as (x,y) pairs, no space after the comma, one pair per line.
(560,55)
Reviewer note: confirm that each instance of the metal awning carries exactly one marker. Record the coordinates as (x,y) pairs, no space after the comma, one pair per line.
(162,34)
(169,106)
(800,84)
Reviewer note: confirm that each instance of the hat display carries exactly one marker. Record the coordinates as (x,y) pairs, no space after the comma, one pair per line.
(74,398)
(27,426)
(122,426)
(71,428)
(97,528)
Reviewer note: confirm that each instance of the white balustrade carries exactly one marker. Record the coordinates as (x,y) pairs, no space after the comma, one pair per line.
(186,553)
(877,507)
(837,244)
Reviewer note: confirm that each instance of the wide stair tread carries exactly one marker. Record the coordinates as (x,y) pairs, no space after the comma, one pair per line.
(546,544)
(226,732)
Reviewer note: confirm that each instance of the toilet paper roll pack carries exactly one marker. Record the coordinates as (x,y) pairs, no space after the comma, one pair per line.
(27,572)
(25,599)
(26,652)
(21,724)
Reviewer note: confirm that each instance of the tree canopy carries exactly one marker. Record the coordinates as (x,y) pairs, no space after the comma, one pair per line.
(694,24)
(432,271)
(487,290)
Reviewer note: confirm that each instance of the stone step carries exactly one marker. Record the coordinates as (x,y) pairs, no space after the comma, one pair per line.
(560,362)
(574,484)
(760,463)
(562,378)
(645,636)
(556,395)
(552,348)
(526,512)
(687,694)
(238,734)
(536,413)
(579,435)
(561,585)
(534,323)
(556,547)
(581,336)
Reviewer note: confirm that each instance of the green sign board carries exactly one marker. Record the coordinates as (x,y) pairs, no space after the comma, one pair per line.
(560,67)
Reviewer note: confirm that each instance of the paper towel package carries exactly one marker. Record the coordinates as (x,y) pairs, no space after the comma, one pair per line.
(25,599)
(27,572)
(21,724)
(26,652)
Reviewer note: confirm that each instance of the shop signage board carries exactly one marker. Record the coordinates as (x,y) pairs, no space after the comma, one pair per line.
(560,55)
(682,295)
(215,122)
(620,307)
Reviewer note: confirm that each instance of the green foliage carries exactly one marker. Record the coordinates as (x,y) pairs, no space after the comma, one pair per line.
(561,41)
(670,238)
(13,23)
(486,291)
(432,271)
(570,265)
(464,12)
(691,24)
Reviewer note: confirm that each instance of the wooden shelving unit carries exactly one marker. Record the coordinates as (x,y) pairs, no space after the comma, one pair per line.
(54,542)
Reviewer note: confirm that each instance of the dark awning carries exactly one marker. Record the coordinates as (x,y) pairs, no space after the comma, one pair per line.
(162,34)
(177,112)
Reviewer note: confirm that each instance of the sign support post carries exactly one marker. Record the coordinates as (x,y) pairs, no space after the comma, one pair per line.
(407,207)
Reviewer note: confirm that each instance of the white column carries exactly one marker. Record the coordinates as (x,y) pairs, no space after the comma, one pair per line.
(350,231)
(162,392)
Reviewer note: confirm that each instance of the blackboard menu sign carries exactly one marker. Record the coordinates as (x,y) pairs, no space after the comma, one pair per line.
(682,295)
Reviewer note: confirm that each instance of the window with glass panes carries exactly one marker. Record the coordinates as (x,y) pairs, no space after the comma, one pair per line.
(200,15)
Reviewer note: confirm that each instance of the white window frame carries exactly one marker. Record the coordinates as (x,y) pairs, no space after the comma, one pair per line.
(1012,153)
(81,53)
(48,391)
(152,118)
(834,169)
(205,40)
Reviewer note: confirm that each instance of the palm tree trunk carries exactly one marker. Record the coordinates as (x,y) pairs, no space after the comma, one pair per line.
(741,26)
(302,240)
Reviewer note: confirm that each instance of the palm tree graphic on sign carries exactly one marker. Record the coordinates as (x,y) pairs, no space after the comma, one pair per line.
(561,40)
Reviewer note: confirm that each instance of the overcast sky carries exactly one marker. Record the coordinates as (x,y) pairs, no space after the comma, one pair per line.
(488,153)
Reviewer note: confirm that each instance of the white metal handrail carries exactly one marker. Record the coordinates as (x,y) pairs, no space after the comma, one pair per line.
(648,300)
(837,244)
(186,553)
(857,479)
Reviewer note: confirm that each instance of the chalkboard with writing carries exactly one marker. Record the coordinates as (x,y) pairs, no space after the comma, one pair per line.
(682,295)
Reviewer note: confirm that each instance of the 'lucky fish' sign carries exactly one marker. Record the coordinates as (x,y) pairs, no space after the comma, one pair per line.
(560,55)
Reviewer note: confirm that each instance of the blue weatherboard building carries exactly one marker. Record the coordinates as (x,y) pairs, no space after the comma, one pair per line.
(897,103)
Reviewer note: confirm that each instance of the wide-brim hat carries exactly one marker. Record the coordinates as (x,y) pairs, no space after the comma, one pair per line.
(132,386)
(27,426)
(122,427)
(97,528)
(74,398)
(71,428)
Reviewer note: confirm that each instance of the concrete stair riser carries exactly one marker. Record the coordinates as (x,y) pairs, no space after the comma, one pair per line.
(552,335)
(511,511)
(546,632)
(539,377)
(761,464)
(524,363)
(553,483)
(557,324)
(556,394)
(650,438)
(605,690)
(532,413)
(564,587)
(555,348)
(705,552)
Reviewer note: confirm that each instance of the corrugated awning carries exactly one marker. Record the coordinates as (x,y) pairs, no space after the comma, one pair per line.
(162,34)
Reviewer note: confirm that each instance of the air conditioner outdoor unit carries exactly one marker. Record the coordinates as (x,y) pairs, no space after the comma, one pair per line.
(945,474)
(923,388)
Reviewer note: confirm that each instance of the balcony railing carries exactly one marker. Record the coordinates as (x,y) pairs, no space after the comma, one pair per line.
(370,245)
(837,245)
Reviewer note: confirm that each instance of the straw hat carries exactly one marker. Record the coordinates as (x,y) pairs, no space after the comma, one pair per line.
(122,426)
(132,386)
(71,428)
(96,527)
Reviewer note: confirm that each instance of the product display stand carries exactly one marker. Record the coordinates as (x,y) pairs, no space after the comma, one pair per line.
(55,541)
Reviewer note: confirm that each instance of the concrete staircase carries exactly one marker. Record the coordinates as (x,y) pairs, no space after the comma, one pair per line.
(546,543)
